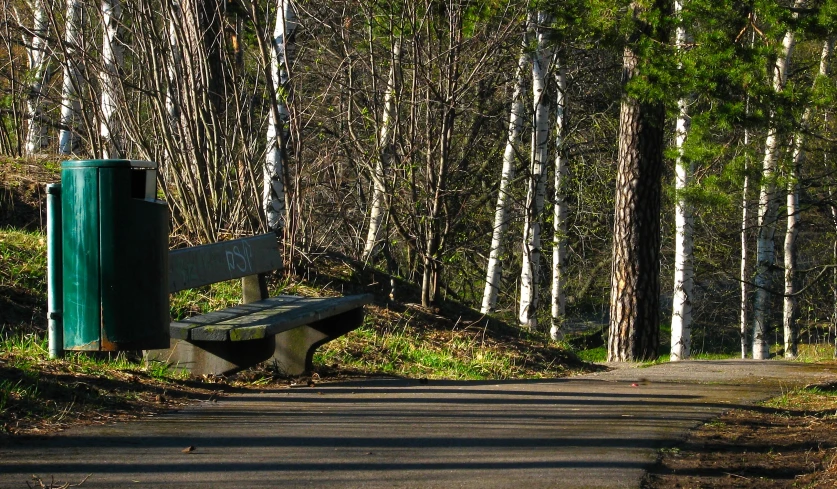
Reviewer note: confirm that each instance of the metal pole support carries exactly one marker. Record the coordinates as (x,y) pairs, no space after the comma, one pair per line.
(55,328)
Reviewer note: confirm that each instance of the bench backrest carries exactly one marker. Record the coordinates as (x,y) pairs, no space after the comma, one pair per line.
(227,260)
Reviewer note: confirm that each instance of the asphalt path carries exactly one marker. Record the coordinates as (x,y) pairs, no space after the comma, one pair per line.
(597,430)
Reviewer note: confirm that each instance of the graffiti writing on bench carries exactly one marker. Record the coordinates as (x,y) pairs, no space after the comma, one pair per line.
(240,257)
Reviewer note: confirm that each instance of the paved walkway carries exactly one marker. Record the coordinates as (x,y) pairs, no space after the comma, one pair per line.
(590,431)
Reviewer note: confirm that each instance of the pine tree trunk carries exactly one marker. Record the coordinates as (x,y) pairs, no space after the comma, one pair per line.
(635,276)
(681,315)
(273,195)
(383,161)
(768,209)
(110,80)
(535,196)
(559,221)
(501,224)
(68,140)
(790,309)
(40,73)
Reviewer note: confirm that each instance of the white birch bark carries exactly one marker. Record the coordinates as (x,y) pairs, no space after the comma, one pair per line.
(109,79)
(501,224)
(529,276)
(68,140)
(382,162)
(39,70)
(833,208)
(789,302)
(790,312)
(768,209)
(273,196)
(681,315)
(559,221)
(744,279)
(174,67)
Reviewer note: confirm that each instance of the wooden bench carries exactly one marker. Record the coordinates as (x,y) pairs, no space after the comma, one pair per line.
(287,329)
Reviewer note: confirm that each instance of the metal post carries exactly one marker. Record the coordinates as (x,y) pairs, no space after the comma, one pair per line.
(55,327)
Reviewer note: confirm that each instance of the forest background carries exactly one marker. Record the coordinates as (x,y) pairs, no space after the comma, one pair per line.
(481,150)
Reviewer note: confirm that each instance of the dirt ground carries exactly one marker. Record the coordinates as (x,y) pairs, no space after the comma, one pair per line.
(760,447)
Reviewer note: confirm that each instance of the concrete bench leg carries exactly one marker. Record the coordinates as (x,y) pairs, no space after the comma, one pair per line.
(295,349)
(213,357)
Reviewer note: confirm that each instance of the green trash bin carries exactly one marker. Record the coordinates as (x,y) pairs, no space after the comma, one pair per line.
(114,256)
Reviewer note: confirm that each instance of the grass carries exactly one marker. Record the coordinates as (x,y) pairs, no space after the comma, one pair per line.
(22,279)
(417,343)
(595,355)
(815,399)
(38,394)
(204,299)
(409,342)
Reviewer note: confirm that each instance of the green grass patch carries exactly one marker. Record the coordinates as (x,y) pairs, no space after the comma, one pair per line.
(22,280)
(816,352)
(594,355)
(818,400)
(407,345)
(206,299)
(38,394)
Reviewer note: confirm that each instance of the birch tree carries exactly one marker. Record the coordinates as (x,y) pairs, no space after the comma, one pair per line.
(559,219)
(110,80)
(174,67)
(40,73)
(274,198)
(68,139)
(385,148)
(501,220)
(743,275)
(790,303)
(536,193)
(681,315)
(768,207)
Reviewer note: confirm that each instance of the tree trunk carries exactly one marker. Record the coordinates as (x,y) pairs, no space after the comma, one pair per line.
(277,130)
(40,73)
(559,220)
(516,118)
(790,309)
(68,140)
(535,196)
(768,208)
(681,314)
(383,160)
(743,273)
(437,225)
(175,68)
(109,130)
(833,208)
(635,277)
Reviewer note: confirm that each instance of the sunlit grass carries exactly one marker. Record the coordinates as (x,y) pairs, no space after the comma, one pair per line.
(822,399)
(403,350)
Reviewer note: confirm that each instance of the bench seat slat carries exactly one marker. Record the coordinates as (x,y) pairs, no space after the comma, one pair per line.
(273,317)
(181,329)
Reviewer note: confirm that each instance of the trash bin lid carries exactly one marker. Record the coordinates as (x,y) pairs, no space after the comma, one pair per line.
(140,164)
